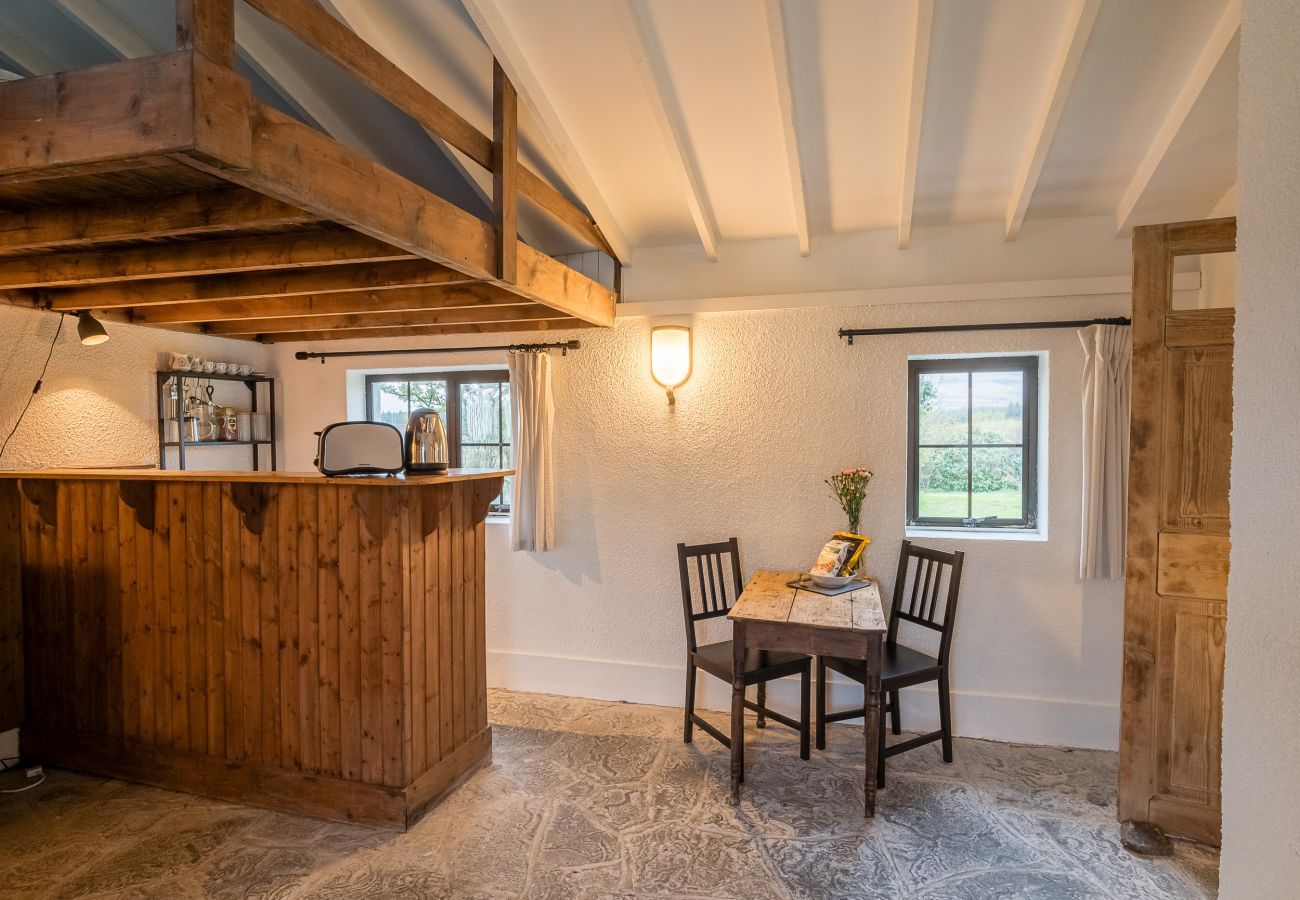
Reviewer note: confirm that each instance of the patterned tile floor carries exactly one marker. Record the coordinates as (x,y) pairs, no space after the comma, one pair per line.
(591,799)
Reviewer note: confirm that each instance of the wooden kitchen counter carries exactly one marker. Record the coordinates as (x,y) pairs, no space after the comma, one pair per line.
(302,643)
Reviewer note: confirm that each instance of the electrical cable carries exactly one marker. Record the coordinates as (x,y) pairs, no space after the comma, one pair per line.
(54,343)
(28,787)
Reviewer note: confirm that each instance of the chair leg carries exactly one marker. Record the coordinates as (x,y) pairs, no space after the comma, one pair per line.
(945,716)
(689,726)
(880,755)
(895,714)
(821,704)
(805,689)
(762,704)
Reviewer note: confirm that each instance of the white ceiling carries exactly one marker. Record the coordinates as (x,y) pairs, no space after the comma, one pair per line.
(650,110)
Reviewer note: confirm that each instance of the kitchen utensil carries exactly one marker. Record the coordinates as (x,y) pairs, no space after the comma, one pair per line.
(359,448)
(228,424)
(180,362)
(244,426)
(426,443)
(260,431)
(199,429)
(831,581)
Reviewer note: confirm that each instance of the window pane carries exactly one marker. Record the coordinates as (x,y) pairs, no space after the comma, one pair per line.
(997,409)
(388,402)
(996,480)
(430,394)
(505,412)
(503,502)
(941,407)
(480,457)
(942,483)
(480,413)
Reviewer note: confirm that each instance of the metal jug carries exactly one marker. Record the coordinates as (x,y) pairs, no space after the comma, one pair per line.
(426,443)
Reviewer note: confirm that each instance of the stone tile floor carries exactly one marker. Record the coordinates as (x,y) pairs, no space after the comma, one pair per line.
(593,799)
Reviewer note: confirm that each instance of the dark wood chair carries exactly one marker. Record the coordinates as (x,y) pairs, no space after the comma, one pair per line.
(922,599)
(706,567)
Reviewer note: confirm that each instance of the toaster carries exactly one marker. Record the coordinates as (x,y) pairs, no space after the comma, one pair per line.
(359,448)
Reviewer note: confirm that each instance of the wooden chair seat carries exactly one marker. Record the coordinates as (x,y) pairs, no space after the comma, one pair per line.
(900,667)
(760,665)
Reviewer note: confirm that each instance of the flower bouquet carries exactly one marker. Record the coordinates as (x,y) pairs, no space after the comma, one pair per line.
(849,487)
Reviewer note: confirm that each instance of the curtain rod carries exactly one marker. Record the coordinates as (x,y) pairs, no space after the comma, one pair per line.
(851,333)
(564,346)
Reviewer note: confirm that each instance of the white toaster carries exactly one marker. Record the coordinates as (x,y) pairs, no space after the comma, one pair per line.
(359,448)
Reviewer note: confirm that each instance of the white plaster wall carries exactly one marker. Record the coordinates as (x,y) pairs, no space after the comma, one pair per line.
(1261,726)
(96,406)
(776,403)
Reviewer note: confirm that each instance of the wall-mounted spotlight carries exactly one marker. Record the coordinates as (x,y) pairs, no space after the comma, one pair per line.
(670,357)
(89,329)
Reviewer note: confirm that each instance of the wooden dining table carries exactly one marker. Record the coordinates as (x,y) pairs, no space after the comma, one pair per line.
(771,615)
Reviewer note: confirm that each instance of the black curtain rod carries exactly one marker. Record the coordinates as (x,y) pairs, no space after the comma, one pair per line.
(851,333)
(565,346)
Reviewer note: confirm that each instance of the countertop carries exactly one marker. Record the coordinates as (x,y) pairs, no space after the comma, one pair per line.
(253,477)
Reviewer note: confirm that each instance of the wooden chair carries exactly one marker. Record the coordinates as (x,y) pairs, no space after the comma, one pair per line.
(921,602)
(709,564)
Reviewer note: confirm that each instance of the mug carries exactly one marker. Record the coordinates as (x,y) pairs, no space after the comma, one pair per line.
(222,368)
(180,362)
(209,366)
(245,369)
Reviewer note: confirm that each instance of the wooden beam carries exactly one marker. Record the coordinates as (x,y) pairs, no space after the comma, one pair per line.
(250,285)
(920,66)
(195,258)
(207,27)
(776,36)
(135,108)
(404,331)
(300,166)
(1077,31)
(381,319)
(647,57)
(609,237)
(206,213)
(1225,30)
(505,168)
(399,300)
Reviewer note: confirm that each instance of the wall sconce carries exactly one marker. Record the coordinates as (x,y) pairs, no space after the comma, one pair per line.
(89,329)
(670,357)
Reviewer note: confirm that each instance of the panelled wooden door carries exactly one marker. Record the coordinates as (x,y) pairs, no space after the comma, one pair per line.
(1176,601)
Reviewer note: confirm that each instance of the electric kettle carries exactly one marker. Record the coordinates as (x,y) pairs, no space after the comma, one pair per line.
(426,443)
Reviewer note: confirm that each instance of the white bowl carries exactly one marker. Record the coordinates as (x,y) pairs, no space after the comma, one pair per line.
(831,581)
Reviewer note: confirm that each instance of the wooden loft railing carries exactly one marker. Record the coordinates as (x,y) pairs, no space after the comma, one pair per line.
(160,192)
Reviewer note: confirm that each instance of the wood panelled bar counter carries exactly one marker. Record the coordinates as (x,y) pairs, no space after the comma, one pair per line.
(295,642)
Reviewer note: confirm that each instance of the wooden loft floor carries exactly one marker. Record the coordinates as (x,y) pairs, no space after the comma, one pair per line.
(158,191)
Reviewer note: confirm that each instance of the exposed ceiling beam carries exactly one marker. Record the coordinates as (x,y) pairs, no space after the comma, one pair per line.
(1078,29)
(26,54)
(370,277)
(108,27)
(491,24)
(405,331)
(467,315)
(647,56)
(915,112)
(280,307)
(776,35)
(1220,39)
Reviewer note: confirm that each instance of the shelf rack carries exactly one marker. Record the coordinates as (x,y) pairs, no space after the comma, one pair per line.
(249,381)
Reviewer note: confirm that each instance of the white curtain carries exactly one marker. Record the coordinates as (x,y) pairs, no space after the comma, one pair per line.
(532,414)
(1107,391)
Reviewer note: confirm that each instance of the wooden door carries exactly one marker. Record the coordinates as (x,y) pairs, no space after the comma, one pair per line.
(1176,579)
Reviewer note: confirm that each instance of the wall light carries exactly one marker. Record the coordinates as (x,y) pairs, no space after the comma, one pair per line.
(89,329)
(670,357)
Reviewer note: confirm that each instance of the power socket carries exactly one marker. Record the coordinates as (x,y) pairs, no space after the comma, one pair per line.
(35,772)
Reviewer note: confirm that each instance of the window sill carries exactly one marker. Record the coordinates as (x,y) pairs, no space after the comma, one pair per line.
(498,519)
(962,533)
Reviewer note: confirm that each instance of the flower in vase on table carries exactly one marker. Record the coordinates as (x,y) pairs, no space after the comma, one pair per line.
(850,487)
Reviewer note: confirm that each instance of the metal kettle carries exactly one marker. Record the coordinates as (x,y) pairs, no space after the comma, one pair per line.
(426,443)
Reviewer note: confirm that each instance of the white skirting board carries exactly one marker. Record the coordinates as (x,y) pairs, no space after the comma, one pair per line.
(998,717)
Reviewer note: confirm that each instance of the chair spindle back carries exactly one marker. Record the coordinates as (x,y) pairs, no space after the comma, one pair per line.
(704,571)
(925,592)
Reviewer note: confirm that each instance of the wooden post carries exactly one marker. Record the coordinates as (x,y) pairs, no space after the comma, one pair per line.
(207,27)
(505,169)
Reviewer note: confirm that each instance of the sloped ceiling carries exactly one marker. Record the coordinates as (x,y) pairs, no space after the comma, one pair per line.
(612,72)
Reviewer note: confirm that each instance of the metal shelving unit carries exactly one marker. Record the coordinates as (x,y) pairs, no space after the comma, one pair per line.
(249,381)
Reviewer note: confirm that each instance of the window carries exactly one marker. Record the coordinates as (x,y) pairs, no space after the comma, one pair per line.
(973,442)
(477,421)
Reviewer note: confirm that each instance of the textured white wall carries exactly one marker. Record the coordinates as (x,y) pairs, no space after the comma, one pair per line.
(776,403)
(1261,725)
(96,406)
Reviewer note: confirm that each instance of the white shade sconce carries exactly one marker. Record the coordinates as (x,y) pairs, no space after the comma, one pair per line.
(90,330)
(670,357)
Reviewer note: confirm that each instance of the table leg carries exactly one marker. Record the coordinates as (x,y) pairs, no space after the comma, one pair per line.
(871,721)
(737,709)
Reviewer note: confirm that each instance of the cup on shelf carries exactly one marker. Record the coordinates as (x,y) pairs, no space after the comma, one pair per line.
(261,431)
(245,369)
(209,366)
(222,368)
(180,362)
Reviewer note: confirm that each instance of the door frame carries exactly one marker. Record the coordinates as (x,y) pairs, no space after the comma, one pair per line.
(1155,327)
